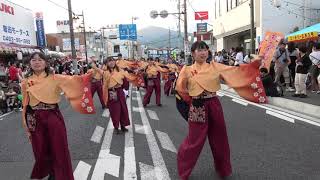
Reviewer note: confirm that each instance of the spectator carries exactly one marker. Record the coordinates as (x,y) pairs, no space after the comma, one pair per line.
(219,58)
(314,70)
(293,55)
(268,84)
(11,99)
(303,65)
(3,103)
(239,56)
(282,61)
(13,73)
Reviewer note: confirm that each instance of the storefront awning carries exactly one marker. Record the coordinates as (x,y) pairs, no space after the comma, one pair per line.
(309,33)
(13,48)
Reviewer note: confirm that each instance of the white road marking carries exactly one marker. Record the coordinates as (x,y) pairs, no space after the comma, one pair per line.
(166,142)
(240,102)
(106,113)
(106,162)
(147,172)
(97,134)
(153,115)
(135,98)
(141,129)
(143,93)
(1,119)
(82,171)
(130,169)
(219,94)
(4,115)
(157,159)
(137,109)
(274,110)
(286,118)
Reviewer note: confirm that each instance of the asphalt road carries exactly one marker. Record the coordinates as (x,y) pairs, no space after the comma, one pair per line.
(264,144)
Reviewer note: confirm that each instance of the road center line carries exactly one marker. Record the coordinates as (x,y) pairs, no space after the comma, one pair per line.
(130,169)
(157,159)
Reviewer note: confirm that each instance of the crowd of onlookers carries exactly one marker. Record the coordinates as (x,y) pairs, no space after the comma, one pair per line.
(294,68)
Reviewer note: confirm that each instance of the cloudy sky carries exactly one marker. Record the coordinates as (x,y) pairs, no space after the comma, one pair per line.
(100,13)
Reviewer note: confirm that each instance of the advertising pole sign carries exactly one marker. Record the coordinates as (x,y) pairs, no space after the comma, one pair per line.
(16,24)
(41,36)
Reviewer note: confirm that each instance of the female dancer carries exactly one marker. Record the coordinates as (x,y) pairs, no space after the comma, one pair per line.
(43,121)
(197,84)
(153,82)
(173,69)
(115,99)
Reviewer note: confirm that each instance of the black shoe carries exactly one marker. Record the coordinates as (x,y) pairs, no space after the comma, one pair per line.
(51,177)
(159,105)
(117,131)
(303,96)
(296,95)
(144,105)
(124,129)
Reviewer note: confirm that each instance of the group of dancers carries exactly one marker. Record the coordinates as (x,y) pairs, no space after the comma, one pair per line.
(195,84)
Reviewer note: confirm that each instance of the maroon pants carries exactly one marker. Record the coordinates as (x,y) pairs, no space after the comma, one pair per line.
(168,85)
(213,127)
(154,86)
(118,109)
(97,87)
(50,146)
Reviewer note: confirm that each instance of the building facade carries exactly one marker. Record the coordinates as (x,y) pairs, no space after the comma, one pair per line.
(232,20)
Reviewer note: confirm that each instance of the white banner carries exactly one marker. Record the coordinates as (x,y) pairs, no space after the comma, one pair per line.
(16,24)
(63,26)
(67,44)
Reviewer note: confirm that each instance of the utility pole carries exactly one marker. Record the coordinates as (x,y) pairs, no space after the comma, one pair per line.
(186,43)
(252,27)
(73,49)
(169,50)
(179,19)
(85,38)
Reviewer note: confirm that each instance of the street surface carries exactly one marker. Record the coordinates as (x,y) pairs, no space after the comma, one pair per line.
(265,145)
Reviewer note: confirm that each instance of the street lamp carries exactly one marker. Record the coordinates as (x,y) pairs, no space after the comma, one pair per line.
(154,14)
(84,33)
(132,41)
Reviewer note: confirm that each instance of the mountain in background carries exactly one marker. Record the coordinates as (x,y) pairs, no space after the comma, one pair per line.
(157,37)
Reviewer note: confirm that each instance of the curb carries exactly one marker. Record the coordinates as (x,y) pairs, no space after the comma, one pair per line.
(296,106)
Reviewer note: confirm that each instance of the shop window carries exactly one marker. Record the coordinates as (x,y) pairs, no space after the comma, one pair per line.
(116,49)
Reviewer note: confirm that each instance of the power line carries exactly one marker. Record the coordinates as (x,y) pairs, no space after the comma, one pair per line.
(306,7)
(58,5)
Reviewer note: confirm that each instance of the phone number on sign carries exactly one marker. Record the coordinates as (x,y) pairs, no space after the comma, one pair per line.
(11,39)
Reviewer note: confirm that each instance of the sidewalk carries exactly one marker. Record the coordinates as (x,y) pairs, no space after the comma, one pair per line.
(309,106)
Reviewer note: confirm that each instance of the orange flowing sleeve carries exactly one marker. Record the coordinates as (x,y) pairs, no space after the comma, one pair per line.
(244,79)
(77,90)
(182,85)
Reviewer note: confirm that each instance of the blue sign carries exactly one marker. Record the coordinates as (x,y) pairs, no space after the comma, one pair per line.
(128,31)
(41,36)
(201,28)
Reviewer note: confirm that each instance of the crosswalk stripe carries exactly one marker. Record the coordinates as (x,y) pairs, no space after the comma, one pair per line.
(286,118)
(106,163)
(166,142)
(106,113)
(130,169)
(157,159)
(82,171)
(153,115)
(97,134)
(147,172)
